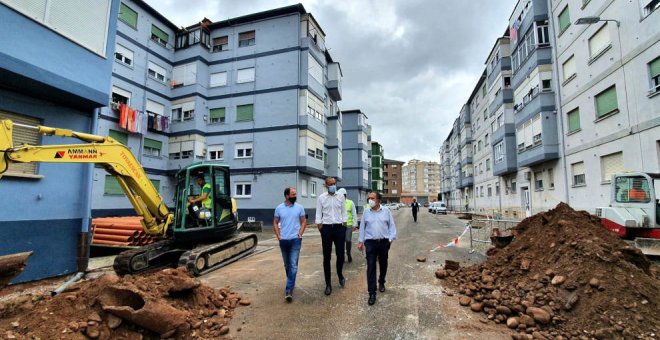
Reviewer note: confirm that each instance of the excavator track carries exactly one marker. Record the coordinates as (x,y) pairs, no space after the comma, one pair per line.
(146,258)
(210,257)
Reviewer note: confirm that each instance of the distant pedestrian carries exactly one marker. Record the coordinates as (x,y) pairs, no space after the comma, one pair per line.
(289,224)
(351,223)
(331,220)
(377,232)
(415,209)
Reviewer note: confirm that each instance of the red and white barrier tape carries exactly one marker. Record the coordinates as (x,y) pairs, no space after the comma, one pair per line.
(454,242)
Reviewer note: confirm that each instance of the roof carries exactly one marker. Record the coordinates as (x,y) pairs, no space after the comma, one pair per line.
(156,14)
(298,8)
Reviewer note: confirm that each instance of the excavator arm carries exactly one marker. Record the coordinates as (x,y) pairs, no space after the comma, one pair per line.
(116,158)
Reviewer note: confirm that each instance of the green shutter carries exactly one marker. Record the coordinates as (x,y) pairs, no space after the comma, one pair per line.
(606,102)
(655,67)
(564,19)
(153,144)
(119,136)
(159,33)
(217,113)
(156,184)
(111,186)
(574,120)
(127,15)
(244,112)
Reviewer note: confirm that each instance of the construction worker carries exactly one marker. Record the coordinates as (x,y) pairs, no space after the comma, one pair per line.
(351,225)
(636,193)
(204,199)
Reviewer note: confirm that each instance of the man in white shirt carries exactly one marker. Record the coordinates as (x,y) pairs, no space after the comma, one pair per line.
(331,220)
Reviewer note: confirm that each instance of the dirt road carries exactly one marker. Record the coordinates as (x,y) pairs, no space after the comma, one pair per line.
(414,306)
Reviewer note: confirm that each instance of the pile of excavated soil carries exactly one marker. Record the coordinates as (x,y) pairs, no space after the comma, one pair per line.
(564,276)
(165,304)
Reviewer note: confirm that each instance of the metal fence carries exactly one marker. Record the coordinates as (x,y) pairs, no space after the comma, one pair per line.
(481,229)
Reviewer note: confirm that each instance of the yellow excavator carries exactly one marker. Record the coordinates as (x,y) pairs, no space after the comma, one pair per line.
(199,238)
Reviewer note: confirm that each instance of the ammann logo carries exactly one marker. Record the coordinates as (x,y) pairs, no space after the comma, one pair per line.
(82,153)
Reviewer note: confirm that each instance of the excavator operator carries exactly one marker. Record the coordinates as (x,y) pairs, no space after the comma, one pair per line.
(637,193)
(204,199)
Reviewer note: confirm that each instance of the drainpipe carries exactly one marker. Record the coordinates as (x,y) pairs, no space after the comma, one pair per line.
(88,180)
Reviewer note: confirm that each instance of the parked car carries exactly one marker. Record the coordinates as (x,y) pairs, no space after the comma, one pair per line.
(440,208)
(392,206)
(426,204)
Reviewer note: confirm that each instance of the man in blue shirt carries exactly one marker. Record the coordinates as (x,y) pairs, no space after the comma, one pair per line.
(377,232)
(289,224)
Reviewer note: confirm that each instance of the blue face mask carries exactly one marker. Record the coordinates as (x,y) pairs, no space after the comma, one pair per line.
(332,189)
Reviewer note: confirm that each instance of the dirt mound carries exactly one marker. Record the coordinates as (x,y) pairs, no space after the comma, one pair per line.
(165,304)
(563,276)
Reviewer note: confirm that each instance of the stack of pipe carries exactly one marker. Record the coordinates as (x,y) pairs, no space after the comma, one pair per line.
(119,231)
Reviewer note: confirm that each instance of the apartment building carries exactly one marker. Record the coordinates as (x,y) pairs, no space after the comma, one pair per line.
(393,176)
(609,85)
(422,179)
(377,158)
(356,142)
(257,92)
(451,167)
(55,74)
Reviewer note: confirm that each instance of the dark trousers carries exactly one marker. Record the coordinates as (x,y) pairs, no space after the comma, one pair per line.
(376,251)
(333,233)
(415,215)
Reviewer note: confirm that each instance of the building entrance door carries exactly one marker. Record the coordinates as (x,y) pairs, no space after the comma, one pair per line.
(526,201)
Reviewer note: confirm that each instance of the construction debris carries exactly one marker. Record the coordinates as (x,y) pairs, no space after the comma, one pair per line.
(565,276)
(165,304)
(120,231)
(11,266)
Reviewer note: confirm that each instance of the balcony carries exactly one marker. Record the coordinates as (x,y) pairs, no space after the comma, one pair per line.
(311,165)
(548,146)
(465,181)
(538,10)
(505,95)
(537,102)
(541,55)
(466,160)
(466,137)
(505,134)
(502,65)
(334,81)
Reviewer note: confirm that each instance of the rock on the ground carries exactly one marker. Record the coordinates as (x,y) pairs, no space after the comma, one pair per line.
(557,280)
(440,273)
(421,258)
(594,282)
(113,321)
(512,322)
(539,314)
(464,300)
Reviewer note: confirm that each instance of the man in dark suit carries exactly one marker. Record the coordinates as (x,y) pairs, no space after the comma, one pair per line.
(415,209)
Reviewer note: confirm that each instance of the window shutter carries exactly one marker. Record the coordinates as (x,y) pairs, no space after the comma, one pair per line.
(128,15)
(574,120)
(157,68)
(188,145)
(153,144)
(188,106)
(611,164)
(124,51)
(578,168)
(177,75)
(564,19)
(606,102)
(244,112)
(156,184)
(528,134)
(536,125)
(218,79)
(190,74)
(155,107)
(175,147)
(217,113)
(245,75)
(159,33)
(246,35)
(599,41)
(119,136)
(22,136)
(220,41)
(569,67)
(654,67)
(520,135)
(111,186)
(315,69)
(122,93)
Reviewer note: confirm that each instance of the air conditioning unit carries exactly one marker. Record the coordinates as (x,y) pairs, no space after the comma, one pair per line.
(528,175)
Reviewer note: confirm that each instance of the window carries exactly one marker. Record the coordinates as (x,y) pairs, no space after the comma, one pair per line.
(128,15)
(187,38)
(303,187)
(244,150)
(183,111)
(490,191)
(218,79)
(111,186)
(551,178)
(599,42)
(654,71)
(315,69)
(216,152)
(246,39)
(542,34)
(546,85)
(487,164)
(538,180)
(481,191)
(499,152)
(156,72)
(577,170)
(632,189)
(486,140)
(315,107)
(479,146)
(217,116)
(119,136)
(159,36)
(568,69)
(152,147)
(497,188)
(312,188)
(243,190)
(154,108)
(648,6)
(123,55)
(574,120)
(319,154)
(564,20)
(22,135)
(184,75)
(183,150)
(119,97)
(606,102)
(610,165)
(245,75)
(513,186)
(244,112)
(220,44)
(156,184)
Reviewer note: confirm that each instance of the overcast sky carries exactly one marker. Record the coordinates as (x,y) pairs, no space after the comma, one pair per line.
(409,65)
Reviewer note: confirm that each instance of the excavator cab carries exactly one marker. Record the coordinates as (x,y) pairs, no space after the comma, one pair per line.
(198,221)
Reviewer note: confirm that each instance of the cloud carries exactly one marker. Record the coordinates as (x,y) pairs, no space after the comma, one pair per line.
(409,65)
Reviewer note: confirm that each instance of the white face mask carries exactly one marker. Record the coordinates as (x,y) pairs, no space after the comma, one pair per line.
(372,203)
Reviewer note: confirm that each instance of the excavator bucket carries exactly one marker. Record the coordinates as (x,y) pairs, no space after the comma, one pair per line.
(5,143)
(11,266)
(648,246)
